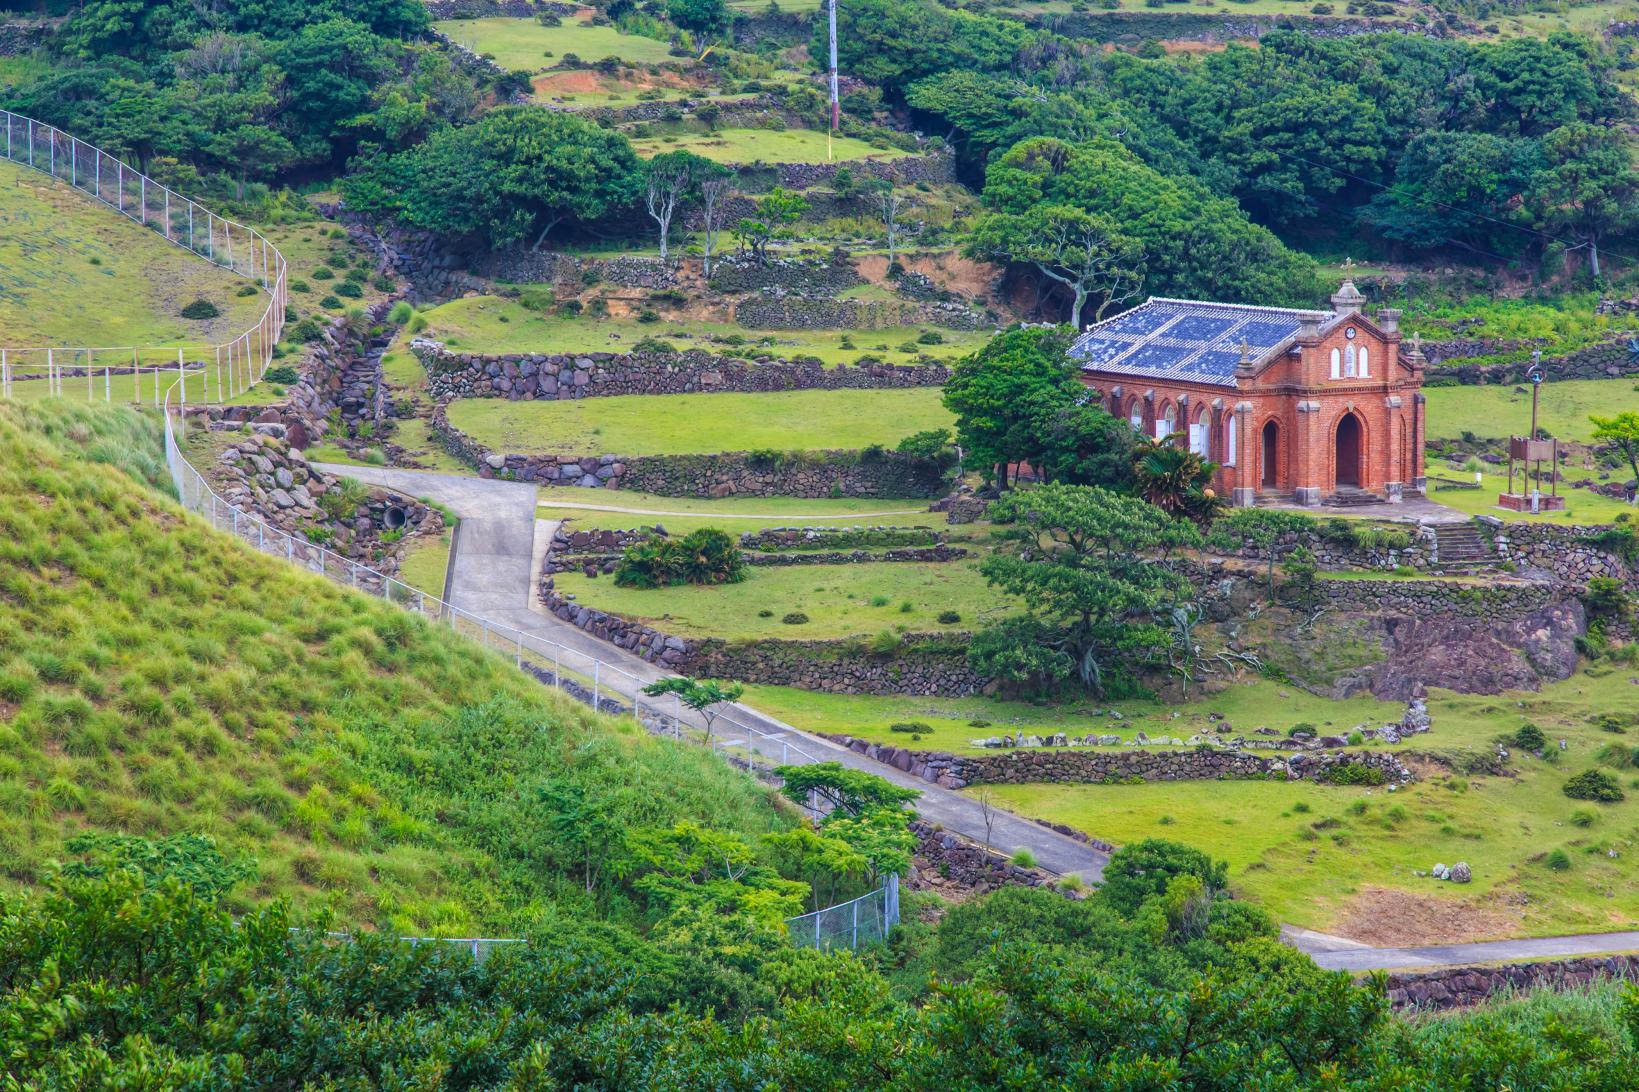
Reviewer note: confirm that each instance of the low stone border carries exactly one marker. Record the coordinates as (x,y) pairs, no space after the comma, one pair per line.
(1456,987)
(1571,553)
(1093,767)
(554,376)
(961,862)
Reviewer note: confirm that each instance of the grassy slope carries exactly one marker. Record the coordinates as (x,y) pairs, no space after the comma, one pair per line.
(1500,411)
(157,677)
(766,146)
(1503,826)
(61,250)
(484,324)
(523,44)
(703,423)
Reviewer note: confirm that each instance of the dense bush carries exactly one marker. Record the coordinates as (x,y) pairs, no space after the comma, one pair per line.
(1530,738)
(200,309)
(1594,785)
(706,556)
(281,373)
(1352,773)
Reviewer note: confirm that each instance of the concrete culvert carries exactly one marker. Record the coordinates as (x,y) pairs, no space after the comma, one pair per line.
(395,517)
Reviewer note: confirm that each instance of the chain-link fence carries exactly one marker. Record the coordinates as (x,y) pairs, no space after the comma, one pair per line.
(865,920)
(139,373)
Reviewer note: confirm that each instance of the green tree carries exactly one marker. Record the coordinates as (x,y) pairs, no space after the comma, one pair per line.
(1264,528)
(1176,480)
(775,214)
(1622,433)
(1587,187)
(852,792)
(514,175)
(1083,252)
(1003,395)
(1084,445)
(701,695)
(1083,561)
(672,178)
(1143,870)
(1457,188)
(707,17)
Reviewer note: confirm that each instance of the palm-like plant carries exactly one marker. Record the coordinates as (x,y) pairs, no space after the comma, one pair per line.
(1177,480)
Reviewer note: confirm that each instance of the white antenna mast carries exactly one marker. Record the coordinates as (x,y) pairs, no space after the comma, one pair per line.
(836,108)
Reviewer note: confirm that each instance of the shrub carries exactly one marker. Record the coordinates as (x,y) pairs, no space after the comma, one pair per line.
(1024,858)
(1614,723)
(906,607)
(401,313)
(1530,738)
(1596,785)
(304,331)
(200,310)
(1583,817)
(300,286)
(1303,728)
(886,643)
(949,617)
(879,600)
(1558,860)
(331,303)
(795,618)
(1301,807)
(653,345)
(281,373)
(765,613)
(1352,773)
(383,283)
(350,289)
(703,557)
(323,274)
(1356,739)
(910,727)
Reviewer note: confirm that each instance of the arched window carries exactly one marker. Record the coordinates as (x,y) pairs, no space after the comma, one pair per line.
(1135,416)
(1337,364)
(1200,435)
(1166,424)
(1348,363)
(1365,364)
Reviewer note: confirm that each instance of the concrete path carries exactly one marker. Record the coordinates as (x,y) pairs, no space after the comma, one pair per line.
(494,575)
(1338,954)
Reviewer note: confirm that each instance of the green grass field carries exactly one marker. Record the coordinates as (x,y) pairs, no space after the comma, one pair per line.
(1348,861)
(702,423)
(487,324)
(426,563)
(524,45)
(1500,411)
(1581,505)
(766,146)
(158,678)
(838,600)
(62,251)
(1249,704)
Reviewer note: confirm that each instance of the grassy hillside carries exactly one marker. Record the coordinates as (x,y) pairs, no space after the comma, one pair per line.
(157,677)
(61,251)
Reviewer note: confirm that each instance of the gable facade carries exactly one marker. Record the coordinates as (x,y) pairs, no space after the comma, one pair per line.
(1297,406)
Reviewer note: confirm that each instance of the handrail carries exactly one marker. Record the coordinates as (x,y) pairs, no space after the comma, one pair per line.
(236,364)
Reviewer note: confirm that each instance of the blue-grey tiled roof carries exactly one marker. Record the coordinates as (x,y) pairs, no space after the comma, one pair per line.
(1189,339)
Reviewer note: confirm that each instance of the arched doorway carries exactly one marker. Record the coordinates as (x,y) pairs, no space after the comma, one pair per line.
(1271,455)
(1348,451)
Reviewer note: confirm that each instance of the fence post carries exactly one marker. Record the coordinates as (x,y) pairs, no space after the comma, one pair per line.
(890,902)
(855,907)
(597,666)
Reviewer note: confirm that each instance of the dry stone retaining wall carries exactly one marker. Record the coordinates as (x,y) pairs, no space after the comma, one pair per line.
(1056,765)
(1456,987)
(1188,26)
(1572,554)
(781,312)
(17,39)
(540,376)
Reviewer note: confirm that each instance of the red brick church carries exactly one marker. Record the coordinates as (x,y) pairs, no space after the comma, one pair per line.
(1309,407)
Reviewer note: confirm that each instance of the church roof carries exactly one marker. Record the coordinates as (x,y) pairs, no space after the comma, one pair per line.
(1189,340)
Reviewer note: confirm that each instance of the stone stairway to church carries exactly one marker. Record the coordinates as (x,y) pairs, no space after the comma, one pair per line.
(1461,548)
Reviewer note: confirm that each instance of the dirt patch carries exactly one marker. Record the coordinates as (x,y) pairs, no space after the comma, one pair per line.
(579,82)
(949,270)
(1388,918)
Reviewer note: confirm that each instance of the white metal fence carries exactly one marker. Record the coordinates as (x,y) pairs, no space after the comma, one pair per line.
(137,373)
(865,920)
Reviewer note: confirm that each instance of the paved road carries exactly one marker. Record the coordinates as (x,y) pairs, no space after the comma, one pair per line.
(497,552)
(1338,954)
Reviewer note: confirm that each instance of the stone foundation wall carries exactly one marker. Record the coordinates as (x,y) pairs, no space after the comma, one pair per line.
(817,277)
(1610,360)
(1572,554)
(1456,987)
(1093,767)
(1426,598)
(537,376)
(905,171)
(1330,554)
